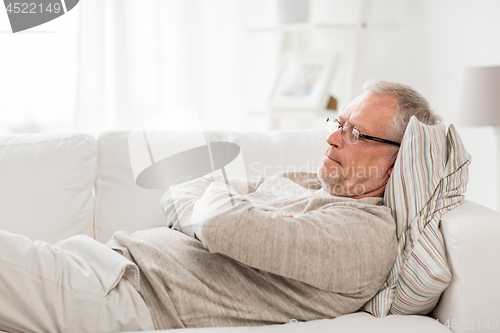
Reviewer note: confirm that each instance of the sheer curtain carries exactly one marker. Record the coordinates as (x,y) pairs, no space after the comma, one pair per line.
(139,59)
(38,78)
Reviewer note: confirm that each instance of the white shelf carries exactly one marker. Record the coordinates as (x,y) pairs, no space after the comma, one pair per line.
(306,26)
(294,37)
(293,113)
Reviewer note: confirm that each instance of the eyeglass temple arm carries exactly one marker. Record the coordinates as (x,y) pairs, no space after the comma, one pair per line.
(379,140)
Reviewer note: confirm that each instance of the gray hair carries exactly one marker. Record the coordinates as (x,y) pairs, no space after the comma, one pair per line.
(409,103)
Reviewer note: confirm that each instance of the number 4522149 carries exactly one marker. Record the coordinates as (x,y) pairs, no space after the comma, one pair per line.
(471,324)
(32,8)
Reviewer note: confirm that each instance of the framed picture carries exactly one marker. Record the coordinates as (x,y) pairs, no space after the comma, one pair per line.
(303,81)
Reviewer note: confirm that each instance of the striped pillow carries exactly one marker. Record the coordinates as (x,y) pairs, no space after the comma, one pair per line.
(429,177)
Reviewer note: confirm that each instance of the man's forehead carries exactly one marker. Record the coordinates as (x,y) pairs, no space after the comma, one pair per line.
(354,120)
(366,110)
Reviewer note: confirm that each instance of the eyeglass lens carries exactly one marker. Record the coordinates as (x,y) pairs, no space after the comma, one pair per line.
(333,125)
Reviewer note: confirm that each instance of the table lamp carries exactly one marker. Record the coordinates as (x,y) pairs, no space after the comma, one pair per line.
(480,102)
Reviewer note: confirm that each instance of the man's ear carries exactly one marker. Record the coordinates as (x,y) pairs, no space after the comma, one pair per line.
(394,157)
(389,171)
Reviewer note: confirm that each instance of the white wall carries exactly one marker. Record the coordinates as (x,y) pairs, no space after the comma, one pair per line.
(461,33)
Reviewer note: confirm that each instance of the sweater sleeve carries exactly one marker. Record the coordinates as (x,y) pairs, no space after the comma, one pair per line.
(342,246)
(178,202)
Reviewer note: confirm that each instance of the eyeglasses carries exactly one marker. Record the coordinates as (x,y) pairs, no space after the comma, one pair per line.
(333,124)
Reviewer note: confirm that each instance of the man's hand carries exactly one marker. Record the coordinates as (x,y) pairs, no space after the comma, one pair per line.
(217,199)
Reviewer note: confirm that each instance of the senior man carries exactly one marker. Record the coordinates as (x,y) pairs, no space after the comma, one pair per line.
(320,249)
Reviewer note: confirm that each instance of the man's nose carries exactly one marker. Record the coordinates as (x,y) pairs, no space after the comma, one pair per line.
(335,138)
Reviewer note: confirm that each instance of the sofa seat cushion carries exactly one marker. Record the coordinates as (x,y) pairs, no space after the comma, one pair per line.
(359,322)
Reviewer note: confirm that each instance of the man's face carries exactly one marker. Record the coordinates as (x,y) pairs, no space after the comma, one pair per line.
(362,169)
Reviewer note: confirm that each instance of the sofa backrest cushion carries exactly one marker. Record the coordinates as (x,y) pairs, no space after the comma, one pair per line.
(46,183)
(122,205)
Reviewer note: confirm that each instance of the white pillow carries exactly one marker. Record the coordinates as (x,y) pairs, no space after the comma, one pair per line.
(46,185)
(429,177)
(121,205)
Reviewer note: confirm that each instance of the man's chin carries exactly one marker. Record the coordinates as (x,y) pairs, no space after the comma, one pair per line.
(329,172)
(336,185)
(330,182)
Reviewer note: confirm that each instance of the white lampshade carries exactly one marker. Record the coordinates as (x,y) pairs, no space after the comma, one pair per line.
(480,99)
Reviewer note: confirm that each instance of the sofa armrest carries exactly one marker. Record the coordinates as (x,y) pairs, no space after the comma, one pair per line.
(472,301)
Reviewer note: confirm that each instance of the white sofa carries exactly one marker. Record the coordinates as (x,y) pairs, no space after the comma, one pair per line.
(53,186)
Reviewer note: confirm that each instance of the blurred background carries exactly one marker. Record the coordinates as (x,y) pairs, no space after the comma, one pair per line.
(114,64)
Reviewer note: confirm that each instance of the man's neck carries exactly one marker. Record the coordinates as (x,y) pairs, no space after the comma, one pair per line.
(375,193)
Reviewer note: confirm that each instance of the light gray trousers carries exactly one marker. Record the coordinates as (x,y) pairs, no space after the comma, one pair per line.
(76,285)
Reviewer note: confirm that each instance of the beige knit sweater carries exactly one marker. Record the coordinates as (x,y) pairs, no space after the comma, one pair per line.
(286,250)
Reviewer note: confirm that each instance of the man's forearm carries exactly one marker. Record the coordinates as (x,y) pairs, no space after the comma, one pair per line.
(178,202)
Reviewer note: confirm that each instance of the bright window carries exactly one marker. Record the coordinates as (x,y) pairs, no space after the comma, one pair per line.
(38,75)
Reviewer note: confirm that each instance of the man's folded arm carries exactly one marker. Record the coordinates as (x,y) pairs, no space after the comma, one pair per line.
(342,248)
(178,202)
